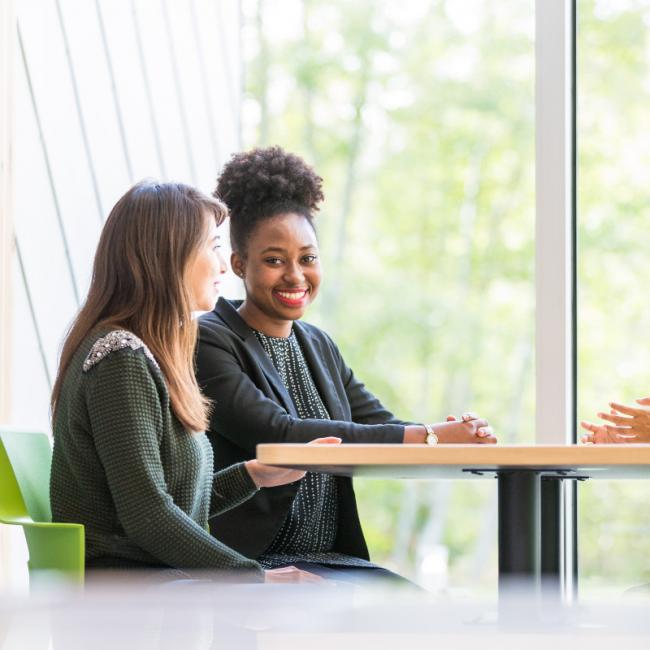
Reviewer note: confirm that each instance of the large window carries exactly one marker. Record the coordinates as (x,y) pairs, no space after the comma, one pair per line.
(614,268)
(420,118)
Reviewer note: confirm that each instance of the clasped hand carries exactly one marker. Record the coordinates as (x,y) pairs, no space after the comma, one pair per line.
(470,429)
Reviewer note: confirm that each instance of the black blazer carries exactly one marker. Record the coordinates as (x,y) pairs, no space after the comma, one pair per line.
(252,406)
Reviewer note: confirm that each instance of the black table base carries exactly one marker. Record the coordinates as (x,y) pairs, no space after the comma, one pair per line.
(537,542)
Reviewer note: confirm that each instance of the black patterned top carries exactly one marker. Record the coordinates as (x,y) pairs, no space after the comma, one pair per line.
(309,531)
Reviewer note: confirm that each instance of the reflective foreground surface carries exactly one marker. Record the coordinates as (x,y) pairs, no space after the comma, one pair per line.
(120,614)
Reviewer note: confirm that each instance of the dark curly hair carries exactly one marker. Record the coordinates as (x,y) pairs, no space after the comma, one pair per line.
(262,183)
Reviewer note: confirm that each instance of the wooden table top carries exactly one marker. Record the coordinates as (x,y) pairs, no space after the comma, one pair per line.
(624,461)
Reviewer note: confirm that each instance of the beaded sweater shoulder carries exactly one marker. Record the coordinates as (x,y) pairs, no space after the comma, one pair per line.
(112,342)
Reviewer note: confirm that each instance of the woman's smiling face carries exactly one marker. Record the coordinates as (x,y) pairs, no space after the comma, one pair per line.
(281,271)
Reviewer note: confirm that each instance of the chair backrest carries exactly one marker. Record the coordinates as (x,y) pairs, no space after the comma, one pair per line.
(25,463)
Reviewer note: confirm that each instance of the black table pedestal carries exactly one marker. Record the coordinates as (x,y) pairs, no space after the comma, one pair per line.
(519,525)
(532,541)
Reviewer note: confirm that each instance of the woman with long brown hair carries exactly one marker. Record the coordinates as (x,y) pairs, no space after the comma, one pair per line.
(130,460)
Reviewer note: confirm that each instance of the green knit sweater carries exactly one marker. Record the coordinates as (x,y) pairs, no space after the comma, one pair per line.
(125,468)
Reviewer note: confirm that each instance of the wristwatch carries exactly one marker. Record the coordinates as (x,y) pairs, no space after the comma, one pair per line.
(431,437)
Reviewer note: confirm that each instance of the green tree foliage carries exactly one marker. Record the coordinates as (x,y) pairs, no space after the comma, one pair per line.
(614,267)
(420,118)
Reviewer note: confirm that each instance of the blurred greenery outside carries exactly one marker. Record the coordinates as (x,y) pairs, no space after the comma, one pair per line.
(419,116)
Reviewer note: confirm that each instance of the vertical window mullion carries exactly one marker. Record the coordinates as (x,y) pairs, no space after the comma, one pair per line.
(555,247)
(555,223)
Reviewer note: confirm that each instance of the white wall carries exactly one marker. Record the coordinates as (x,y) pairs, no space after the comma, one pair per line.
(107,92)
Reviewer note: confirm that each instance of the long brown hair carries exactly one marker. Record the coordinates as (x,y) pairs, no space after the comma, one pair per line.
(138,284)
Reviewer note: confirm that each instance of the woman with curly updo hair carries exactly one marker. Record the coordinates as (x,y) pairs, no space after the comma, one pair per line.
(274,378)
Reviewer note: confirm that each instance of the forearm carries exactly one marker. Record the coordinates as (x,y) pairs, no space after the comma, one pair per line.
(349,432)
(276,426)
(231,487)
(176,540)
(414,434)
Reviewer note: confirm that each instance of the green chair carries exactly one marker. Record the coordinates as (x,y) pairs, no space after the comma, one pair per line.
(25,463)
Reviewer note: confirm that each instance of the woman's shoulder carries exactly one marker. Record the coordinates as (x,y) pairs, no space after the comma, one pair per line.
(317,335)
(104,344)
(105,360)
(223,324)
(211,320)
(311,329)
